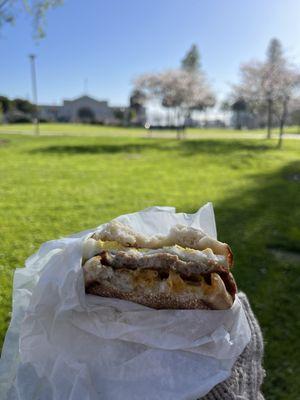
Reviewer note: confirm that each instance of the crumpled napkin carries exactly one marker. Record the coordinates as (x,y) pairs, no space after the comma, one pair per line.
(65,345)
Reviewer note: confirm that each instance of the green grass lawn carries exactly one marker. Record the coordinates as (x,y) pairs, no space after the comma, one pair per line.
(54,186)
(71,129)
(98,130)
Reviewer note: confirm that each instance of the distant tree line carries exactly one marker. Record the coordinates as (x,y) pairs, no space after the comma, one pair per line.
(16,110)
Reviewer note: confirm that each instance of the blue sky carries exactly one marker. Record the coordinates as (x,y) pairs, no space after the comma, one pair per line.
(111,42)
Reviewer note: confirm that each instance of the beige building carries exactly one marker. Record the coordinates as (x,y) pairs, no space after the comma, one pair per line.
(86,109)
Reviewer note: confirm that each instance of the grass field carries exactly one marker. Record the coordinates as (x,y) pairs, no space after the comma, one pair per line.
(98,130)
(53,186)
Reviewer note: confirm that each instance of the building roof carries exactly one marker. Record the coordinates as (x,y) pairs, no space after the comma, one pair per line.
(85,97)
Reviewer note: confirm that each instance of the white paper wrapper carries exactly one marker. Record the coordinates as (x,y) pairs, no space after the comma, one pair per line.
(64,345)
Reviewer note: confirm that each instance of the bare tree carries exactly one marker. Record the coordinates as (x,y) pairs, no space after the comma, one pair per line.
(250,90)
(275,61)
(285,89)
(183,90)
(178,89)
(267,87)
(137,100)
(239,106)
(9,9)
(294,112)
(6,12)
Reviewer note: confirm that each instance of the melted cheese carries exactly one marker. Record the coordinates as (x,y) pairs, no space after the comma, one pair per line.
(145,280)
(110,245)
(176,283)
(145,277)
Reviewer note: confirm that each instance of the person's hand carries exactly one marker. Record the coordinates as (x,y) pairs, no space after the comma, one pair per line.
(247,373)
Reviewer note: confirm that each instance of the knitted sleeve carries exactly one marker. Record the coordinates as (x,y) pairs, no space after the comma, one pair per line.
(247,373)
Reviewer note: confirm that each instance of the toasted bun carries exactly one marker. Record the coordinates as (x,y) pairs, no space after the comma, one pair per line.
(152,300)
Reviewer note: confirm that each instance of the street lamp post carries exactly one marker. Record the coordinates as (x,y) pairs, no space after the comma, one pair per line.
(34,92)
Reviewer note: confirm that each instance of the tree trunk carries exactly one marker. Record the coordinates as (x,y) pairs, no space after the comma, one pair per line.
(169,116)
(279,145)
(269,119)
(178,135)
(238,122)
(282,122)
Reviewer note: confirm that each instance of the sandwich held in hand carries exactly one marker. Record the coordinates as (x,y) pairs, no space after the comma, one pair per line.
(185,269)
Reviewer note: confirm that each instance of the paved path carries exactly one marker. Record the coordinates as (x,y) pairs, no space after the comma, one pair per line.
(161,135)
(222,135)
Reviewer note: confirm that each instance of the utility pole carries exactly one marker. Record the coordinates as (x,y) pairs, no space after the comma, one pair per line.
(34,93)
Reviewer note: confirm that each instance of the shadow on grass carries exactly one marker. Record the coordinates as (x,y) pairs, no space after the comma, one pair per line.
(186,147)
(101,148)
(219,146)
(263,217)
